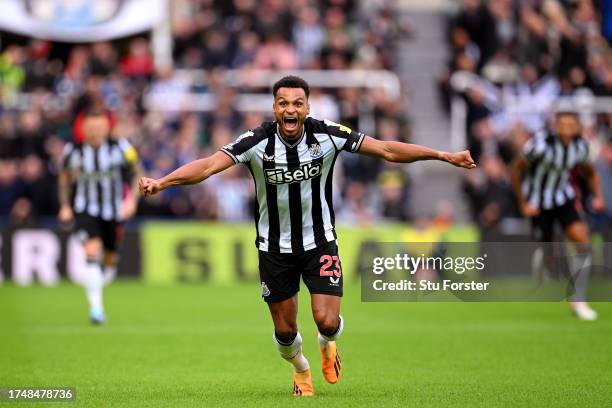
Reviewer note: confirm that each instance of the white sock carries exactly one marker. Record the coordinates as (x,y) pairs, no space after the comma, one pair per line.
(94,281)
(110,272)
(324,340)
(293,353)
(581,269)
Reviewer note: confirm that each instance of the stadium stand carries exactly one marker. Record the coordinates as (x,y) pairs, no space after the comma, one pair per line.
(510,62)
(47,85)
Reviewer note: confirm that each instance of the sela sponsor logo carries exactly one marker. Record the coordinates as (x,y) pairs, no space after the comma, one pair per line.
(264,290)
(315,150)
(284,176)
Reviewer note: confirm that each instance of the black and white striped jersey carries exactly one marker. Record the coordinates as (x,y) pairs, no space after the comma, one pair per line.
(547,183)
(293,182)
(97,177)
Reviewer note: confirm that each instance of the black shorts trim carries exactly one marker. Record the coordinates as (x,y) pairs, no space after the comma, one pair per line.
(320,292)
(279,298)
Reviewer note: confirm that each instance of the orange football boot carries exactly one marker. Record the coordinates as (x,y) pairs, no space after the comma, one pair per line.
(302,384)
(331,365)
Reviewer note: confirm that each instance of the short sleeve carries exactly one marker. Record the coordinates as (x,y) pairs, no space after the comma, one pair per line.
(240,149)
(535,148)
(344,138)
(129,153)
(69,159)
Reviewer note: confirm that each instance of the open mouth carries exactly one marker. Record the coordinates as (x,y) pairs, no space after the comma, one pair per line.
(290,123)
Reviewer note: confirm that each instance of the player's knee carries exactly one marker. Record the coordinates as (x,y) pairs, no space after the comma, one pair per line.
(578,233)
(110,258)
(286,333)
(93,249)
(326,322)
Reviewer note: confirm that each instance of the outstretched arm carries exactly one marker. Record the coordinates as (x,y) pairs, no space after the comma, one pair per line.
(399,152)
(191,173)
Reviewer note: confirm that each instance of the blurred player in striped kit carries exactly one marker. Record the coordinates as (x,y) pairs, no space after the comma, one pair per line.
(541,182)
(91,192)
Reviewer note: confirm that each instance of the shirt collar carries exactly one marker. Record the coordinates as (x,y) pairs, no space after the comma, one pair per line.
(285,142)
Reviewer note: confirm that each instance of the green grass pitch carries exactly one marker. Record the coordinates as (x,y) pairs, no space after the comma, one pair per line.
(203,345)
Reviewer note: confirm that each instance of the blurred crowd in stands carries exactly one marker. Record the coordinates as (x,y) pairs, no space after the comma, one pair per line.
(45,87)
(514,59)
(510,61)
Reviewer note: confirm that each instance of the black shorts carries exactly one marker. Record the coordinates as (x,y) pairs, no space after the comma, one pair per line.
(544,223)
(320,268)
(88,227)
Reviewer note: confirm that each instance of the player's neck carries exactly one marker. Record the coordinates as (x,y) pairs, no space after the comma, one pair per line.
(291,139)
(94,146)
(566,140)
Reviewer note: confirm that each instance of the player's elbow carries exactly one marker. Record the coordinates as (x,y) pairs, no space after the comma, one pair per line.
(205,174)
(206,170)
(390,157)
(388,154)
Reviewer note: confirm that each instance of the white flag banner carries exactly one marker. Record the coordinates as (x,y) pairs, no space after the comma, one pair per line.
(81,20)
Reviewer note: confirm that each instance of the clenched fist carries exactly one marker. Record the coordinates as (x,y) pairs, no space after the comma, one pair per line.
(461,159)
(529,210)
(148,186)
(65,214)
(599,204)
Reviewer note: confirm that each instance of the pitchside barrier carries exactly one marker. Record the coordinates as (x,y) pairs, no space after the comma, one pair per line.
(165,252)
(226,253)
(46,255)
(161,252)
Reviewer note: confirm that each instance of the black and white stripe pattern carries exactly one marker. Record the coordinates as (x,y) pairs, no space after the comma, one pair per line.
(293,182)
(97,174)
(547,184)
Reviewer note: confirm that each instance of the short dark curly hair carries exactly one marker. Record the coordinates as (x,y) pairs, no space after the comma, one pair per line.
(291,81)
